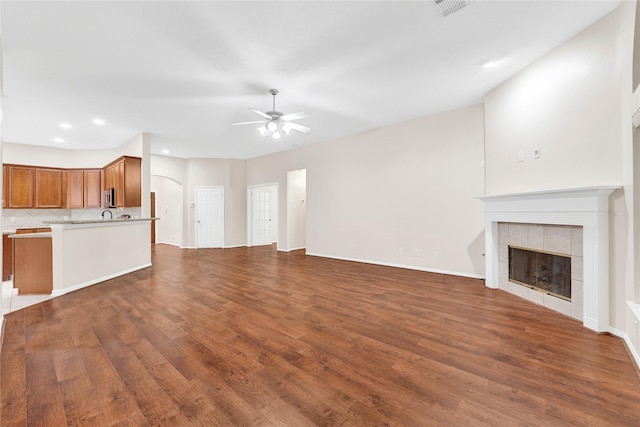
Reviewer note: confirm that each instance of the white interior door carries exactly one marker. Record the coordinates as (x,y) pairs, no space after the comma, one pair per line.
(261,216)
(210,217)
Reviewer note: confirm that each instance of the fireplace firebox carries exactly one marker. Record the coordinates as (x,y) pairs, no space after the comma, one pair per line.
(546,272)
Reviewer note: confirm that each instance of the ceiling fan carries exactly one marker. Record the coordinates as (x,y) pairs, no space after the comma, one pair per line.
(275,123)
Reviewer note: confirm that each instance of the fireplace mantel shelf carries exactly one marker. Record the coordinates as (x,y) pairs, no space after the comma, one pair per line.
(558,193)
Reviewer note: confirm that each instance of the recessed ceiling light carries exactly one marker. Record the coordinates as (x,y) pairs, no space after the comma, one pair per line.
(97,121)
(65,125)
(165,151)
(489,63)
(58,139)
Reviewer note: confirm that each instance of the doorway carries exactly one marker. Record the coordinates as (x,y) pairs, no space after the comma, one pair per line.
(297,209)
(169,207)
(209,217)
(262,215)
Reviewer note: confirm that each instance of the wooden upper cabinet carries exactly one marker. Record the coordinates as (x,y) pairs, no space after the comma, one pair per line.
(124,175)
(20,186)
(49,188)
(84,188)
(92,188)
(28,187)
(75,189)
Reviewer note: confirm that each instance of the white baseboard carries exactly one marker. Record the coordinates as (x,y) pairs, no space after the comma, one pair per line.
(169,243)
(291,249)
(621,334)
(235,246)
(58,292)
(408,267)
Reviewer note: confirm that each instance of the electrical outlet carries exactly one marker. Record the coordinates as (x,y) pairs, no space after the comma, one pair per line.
(401,251)
(416,252)
(436,255)
(12,219)
(536,153)
(520,156)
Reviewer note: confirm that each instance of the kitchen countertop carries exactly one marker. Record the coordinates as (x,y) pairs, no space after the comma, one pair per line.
(99,221)
(14,230)
(31,235)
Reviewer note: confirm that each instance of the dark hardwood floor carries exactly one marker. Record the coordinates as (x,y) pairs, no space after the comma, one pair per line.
(249,336)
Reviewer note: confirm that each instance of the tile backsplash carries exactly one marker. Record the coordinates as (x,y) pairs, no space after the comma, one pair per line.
(16,218)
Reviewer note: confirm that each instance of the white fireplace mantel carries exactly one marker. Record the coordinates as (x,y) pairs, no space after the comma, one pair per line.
(587,207)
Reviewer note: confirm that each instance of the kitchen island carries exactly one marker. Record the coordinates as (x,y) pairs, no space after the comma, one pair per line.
(86,252)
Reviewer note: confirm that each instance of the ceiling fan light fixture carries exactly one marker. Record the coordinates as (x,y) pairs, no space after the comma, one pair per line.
(272,126)
(447,7)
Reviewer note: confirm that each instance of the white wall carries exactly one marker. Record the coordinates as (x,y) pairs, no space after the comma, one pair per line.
(86,254)
(401,195)
(191,173)
(169,208)
(568,105)
(34,155)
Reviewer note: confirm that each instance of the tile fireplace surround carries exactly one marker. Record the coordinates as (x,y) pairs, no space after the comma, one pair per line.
(584,207)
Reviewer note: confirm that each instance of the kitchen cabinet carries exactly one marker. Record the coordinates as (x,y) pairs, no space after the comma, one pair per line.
(92,181)
(124,175)
(75,189)
(33,265)
(33,187)
(49,188)
(19,186)
(27,187)
(7,257)
(84,188)
(7,249)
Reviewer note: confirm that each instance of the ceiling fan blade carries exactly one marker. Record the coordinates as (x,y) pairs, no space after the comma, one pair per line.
(299,128)
(295,116)
(260,113)
(249,123)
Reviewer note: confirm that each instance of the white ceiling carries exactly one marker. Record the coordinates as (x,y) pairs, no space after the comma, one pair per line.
(184,71)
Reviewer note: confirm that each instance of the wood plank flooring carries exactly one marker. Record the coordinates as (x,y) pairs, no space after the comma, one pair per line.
(252,337)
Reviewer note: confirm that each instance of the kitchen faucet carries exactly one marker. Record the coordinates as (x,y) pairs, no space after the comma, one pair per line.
(107,210)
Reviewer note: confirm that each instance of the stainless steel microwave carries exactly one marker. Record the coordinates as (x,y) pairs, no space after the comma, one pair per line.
(110,198)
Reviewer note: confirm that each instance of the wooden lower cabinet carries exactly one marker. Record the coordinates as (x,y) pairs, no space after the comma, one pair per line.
(33,265)
(7,257)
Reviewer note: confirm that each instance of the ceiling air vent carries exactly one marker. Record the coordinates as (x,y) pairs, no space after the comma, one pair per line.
(447,7)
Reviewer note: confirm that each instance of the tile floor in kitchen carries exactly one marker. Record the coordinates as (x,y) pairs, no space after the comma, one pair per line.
(11,301)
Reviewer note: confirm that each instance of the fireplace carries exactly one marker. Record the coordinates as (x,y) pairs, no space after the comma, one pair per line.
(545,272)
(582,214)
(543,264)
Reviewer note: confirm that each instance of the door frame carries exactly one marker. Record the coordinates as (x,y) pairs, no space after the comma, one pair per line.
(195,215)
(250,188)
